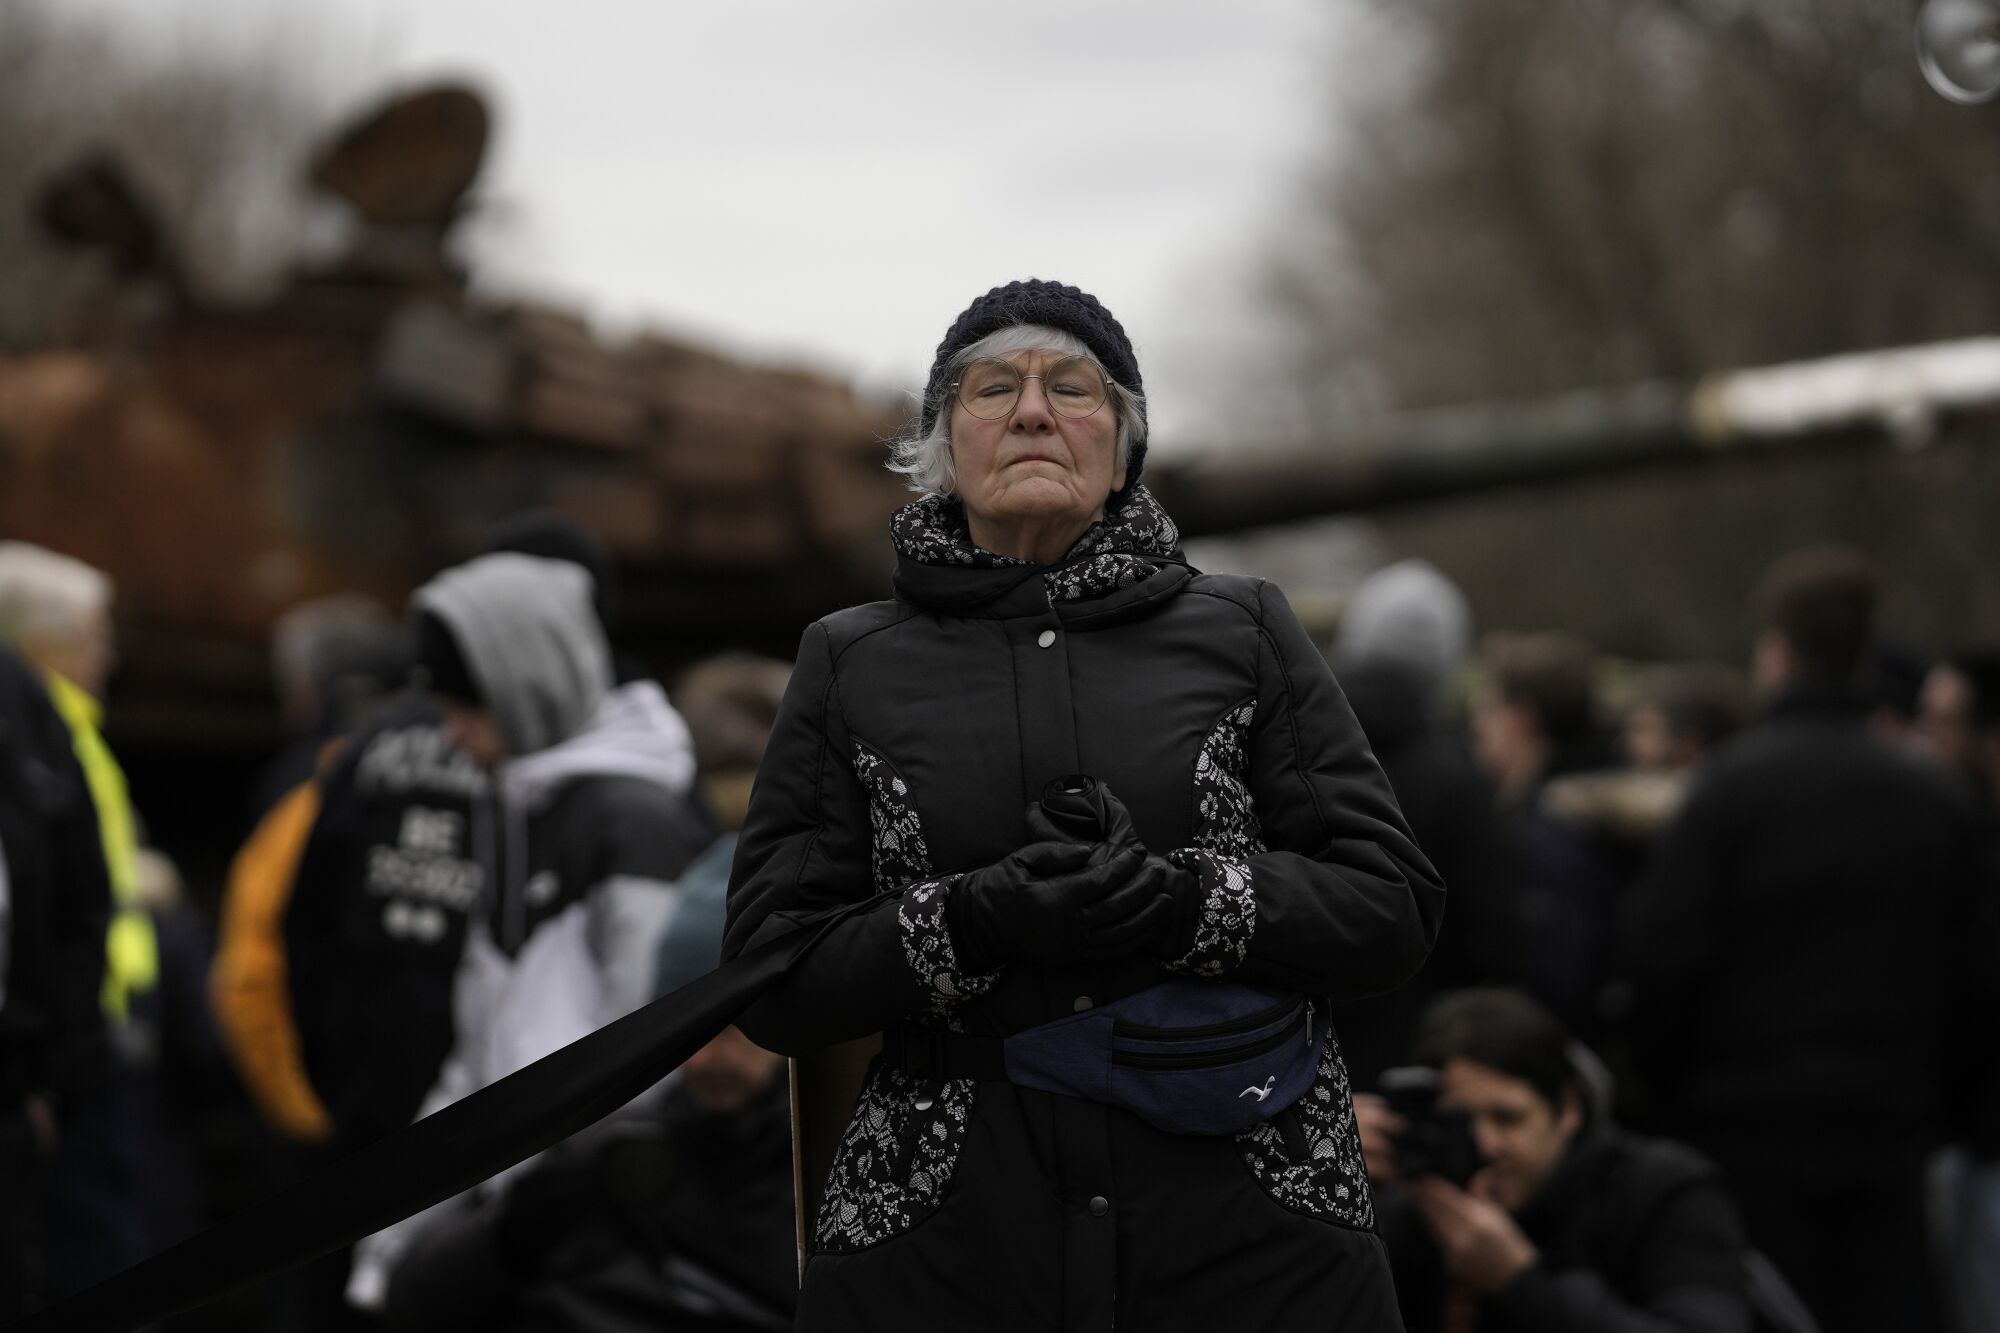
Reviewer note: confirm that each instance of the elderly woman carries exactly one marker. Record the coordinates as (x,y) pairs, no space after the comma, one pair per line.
(1067,778)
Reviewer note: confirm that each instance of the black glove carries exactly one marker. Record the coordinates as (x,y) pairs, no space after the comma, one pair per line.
(1036,905)
(1156,908)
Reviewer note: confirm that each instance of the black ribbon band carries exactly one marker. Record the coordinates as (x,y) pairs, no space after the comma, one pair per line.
(441,1155)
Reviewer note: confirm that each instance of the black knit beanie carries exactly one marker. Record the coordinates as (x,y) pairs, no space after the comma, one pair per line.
(1054,306)
(441,665)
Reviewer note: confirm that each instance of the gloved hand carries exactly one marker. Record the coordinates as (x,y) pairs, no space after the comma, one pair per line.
(1038,904)
(1155,908)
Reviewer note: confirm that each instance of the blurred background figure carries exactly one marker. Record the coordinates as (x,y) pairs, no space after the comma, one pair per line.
(680,1219)
(345,914)
(1676,717)
(677,1215)
(729,702)
(191,1100)
(1510,1202)
(334,661)
(593,827)
(325,1002)
(1893,678)
(1958,720)
(1681,714)
(1400,646)
(1534,721)
(1959,723)
(1794,961)
(56,612)
(55,901)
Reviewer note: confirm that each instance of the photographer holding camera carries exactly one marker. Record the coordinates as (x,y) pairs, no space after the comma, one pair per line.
(1508,1202)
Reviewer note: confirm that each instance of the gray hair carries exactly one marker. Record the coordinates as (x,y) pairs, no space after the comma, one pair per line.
(925,458)
(45,596)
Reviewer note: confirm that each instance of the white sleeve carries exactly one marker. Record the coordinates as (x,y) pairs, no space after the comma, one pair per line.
(627,915)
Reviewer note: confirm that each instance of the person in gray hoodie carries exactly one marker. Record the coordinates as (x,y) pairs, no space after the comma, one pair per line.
(1403,638)
(595,824)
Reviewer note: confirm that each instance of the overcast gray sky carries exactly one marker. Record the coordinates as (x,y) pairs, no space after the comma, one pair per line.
(834,181)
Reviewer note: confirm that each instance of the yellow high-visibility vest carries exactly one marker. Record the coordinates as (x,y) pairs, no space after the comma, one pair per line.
(131,950)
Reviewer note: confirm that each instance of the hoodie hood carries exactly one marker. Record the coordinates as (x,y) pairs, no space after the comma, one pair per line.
(634,733)
(530,637)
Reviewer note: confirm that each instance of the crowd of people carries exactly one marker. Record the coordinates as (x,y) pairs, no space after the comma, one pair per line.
(1704,1043)
(1763,904)
(491,836)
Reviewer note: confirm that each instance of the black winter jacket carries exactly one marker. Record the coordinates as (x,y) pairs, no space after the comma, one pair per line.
(913,738)
(1635,1236)
(53,1043)
(675,1220)
(1449,804)
(1795,951)
(377,918)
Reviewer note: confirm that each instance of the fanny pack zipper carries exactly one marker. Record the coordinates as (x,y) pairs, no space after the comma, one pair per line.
(1210,1059)
(1126,1028)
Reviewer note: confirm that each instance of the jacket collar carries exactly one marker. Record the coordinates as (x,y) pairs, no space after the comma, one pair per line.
(1120,567)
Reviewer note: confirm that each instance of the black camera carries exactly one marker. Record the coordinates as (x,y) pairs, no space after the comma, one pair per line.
(1433,1142)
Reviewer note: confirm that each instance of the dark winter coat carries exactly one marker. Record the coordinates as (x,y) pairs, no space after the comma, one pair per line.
(377,918)
(1972,1078)
(55,903)
(53,1043)
(1635,1236)
(1793,952)
(913,737)
(678,1220)
(1449,805)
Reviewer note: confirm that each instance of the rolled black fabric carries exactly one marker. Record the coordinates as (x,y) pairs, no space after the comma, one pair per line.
(442,1154)
(1076,809)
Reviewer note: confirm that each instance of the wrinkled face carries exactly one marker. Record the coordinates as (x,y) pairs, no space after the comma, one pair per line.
(1035,464)
(1520,1135)
(730,1072)
(473,730)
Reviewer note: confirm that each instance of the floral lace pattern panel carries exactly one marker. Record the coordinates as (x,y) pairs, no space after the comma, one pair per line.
(896,1161)
(901,854)
(1226,835)
(902,859)
(1308,1156)
(1225,817)
(927,948)
(1120,549)
(1228,914)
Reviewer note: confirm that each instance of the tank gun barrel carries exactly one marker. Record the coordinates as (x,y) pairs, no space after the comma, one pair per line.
(1901,394)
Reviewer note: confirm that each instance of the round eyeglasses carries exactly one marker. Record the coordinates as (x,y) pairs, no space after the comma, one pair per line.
(991,389)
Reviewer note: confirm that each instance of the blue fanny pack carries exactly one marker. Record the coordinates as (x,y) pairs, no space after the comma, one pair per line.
(1188,1057)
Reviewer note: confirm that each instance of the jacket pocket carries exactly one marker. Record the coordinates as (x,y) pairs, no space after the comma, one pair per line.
(895,1164)
(1308,1157)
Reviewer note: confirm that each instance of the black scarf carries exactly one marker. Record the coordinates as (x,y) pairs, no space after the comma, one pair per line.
(1120,549)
